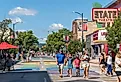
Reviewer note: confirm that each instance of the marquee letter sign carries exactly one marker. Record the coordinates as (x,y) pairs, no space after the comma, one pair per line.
(104,14)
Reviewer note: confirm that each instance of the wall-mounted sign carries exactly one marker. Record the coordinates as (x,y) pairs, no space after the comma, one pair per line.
(95,35)
(104,14)
(100,35)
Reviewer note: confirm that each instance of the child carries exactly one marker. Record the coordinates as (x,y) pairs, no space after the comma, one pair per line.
(77,62)
(70,64)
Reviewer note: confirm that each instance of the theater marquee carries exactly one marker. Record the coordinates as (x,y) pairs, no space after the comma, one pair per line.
(104,14)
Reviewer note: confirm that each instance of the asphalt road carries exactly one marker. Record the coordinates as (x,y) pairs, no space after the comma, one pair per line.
(38,76)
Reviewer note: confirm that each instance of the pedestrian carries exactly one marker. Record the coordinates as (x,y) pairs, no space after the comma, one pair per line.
(12,60)
(118,66)
(70,60)
(17,56)
(60,61)
(102,63)
(85,64)
(109,64)
(77,62)
(9,62)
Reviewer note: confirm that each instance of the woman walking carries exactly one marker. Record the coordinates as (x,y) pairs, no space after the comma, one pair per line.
(118,66)
(102,63)
(70,65)
(85,64)
(77,62)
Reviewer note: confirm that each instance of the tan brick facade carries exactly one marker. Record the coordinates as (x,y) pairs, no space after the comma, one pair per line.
(91,27)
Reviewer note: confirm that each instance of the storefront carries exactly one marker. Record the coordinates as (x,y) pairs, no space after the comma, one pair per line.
(99,41)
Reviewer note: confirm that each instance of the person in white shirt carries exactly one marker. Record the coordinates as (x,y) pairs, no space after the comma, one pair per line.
(109,64)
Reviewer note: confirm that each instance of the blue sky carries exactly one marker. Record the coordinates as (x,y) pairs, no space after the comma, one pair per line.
(42,15)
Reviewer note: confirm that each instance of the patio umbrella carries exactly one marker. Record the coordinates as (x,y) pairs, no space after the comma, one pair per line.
(5,45)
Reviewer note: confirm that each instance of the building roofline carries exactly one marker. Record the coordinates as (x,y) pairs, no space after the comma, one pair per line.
(111,3)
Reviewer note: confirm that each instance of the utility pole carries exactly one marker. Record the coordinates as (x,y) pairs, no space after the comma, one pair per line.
(82,35)
(82,15)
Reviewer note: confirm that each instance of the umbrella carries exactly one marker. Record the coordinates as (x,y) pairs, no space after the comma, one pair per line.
(5,45)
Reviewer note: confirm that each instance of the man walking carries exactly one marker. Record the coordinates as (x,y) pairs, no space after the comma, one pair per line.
(60,60)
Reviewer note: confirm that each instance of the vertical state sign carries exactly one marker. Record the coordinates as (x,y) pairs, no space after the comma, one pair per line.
(104,15)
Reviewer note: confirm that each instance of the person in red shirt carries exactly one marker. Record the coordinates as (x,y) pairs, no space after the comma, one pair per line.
(77,62)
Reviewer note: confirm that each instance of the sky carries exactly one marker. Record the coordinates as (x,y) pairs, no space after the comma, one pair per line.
(42,16)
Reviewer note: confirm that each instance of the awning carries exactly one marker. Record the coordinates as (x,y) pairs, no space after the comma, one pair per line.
(5,45)
(100,41)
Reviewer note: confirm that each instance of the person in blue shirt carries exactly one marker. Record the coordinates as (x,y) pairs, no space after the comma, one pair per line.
(60,60)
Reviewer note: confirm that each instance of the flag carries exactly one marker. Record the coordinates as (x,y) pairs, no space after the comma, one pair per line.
(66,38)
(84,27)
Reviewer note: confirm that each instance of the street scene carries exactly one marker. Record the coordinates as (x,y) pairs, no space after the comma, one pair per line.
(60,41)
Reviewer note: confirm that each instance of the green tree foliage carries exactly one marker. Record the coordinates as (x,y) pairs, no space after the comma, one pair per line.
(55,40)
(97,5)
(74,46)
(5,30)
(114,34)
(27,40)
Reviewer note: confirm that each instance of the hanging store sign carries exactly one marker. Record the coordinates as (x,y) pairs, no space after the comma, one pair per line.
(104,14)
(100,35)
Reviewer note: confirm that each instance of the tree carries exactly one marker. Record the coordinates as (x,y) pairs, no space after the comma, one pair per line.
(5,30)
(97,5)
(27,40)
(74,46)
(55,40)
(114,34)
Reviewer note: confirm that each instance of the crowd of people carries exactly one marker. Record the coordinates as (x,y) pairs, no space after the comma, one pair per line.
(7,60)
(107,63)
(77,62)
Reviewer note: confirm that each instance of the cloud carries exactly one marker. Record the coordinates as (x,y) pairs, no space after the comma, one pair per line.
(55,26)
(43,39)
(17,19)
(22,11)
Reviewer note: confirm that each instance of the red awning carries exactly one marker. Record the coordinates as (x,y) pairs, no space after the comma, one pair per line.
(5,45)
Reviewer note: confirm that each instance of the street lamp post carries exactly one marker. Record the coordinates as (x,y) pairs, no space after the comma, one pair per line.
(14,24)
(14,30)
(81,14)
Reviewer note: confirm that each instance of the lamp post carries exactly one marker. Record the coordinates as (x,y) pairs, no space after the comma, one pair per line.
(14,29)
(81,14)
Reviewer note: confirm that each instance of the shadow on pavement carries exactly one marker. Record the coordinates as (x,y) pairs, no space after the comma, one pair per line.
(94,77)
(35,76)
(82,81)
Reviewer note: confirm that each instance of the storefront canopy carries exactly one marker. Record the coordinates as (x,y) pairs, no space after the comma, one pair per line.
(5,45)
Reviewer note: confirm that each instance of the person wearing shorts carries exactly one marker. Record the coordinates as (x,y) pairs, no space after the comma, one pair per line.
(77,65)
(85,64)
(60,60)
(102,63)
(70,65)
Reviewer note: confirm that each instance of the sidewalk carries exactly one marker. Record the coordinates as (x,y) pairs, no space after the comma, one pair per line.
(94,65)
(93,76)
